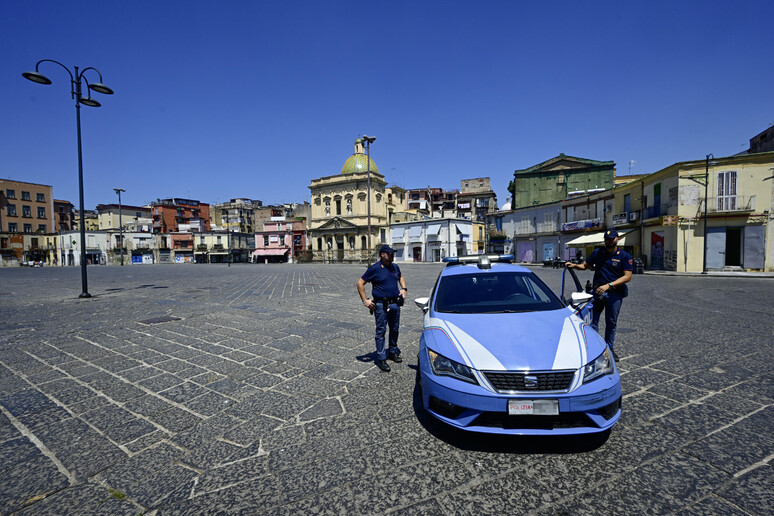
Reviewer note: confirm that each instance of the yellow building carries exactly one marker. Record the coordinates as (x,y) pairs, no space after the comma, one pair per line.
(341,211)
(663,215)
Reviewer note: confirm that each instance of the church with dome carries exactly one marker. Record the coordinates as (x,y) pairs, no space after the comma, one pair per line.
(341,215)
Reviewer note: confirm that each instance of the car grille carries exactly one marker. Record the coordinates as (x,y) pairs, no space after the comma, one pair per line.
(506,422)
(553,381)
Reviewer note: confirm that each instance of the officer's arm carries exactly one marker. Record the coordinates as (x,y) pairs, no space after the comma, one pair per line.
(626,278)
(361,289)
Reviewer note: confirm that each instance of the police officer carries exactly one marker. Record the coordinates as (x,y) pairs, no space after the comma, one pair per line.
(385,305)
(612,271)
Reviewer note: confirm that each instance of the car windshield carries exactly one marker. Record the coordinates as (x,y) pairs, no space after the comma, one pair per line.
(494,292)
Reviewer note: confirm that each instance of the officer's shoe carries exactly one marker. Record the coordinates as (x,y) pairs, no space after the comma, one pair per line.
(615,356)
(395,357)
(383,365)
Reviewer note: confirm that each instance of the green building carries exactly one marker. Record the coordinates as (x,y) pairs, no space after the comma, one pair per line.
(559,178)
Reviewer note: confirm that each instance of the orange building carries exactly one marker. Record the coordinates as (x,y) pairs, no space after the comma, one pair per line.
(180,216)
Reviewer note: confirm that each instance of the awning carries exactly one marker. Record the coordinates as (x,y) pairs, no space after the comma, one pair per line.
(270,252)
(415,233)
(397,233)
(433,229)
(465,230)
(598,238)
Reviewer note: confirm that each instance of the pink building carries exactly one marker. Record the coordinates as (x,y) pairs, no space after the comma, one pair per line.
(280,241)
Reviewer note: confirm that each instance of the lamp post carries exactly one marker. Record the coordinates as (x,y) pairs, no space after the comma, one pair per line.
(706,185)
(120,223)
(369,140)
(76,89)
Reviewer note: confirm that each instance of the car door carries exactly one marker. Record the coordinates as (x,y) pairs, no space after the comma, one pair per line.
(570,284)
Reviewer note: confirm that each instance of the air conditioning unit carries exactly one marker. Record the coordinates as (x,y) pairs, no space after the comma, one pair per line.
(633,216)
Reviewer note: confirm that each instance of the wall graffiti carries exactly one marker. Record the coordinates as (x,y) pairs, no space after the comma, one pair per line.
(670,259)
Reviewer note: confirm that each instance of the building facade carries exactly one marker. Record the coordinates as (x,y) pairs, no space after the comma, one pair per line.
(432,240)
(110,217)
(180,215)
(559,178)
(26,216)
(475,199)
(235,215)
(346,205)
(281,241)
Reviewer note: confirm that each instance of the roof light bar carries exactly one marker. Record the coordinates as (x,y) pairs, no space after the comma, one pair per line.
(484,261)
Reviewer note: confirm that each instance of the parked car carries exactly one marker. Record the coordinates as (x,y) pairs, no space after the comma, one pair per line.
(500,352)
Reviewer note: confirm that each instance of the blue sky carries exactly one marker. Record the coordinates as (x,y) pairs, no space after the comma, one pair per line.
(216,100)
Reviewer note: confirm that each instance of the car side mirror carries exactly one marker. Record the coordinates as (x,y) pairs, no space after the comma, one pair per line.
(579,298)
(423,303)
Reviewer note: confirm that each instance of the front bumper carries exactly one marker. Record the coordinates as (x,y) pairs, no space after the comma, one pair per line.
(594,407)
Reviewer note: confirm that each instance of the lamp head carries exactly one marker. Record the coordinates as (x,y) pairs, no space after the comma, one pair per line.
(88,101)
(101,88)
(36,77)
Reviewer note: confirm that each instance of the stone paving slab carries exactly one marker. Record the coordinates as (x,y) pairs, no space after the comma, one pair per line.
(206,389)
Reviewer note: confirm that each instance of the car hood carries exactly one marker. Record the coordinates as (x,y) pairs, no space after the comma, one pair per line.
(536,341)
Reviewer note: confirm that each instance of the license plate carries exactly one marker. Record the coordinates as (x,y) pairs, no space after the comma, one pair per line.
(533,407)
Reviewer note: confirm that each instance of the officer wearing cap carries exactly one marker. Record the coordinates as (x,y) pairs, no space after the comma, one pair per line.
(385,305)
(612,271)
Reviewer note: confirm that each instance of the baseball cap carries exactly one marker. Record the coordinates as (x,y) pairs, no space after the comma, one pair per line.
(611,233)
(386,249)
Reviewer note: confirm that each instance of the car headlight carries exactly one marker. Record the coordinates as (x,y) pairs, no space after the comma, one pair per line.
(598,367)
(443,366)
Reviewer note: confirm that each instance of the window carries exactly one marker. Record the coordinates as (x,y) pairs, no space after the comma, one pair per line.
(338,206)
(493,293)
(10,194)
(40,197)
(13,227)
(4,243)
(727,191)
(265,240)
(26,211)
(25,196)
(415,197)
(363,243)
(41,228)
(137,214)
(10,210)
(220,239)
(41,212)
(34,243)
(28,228)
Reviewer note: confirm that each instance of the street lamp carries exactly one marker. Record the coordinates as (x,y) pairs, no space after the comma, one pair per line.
(706,184)
(369,140)
(75,93)
(120,223)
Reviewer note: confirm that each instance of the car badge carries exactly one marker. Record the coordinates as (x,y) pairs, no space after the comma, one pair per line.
(530,382)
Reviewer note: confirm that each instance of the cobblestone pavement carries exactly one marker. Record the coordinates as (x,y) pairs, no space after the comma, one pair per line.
(206,389)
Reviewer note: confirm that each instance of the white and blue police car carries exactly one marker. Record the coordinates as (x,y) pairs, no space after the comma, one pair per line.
(501,353)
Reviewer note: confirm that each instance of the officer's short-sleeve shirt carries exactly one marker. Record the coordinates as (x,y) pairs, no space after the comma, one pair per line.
(384,279)
(609,267)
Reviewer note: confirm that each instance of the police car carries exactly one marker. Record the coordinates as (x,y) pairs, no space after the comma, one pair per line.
(501,353)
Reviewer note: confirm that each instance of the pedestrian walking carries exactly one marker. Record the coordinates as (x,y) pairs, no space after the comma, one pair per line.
(612,271)
(385,304)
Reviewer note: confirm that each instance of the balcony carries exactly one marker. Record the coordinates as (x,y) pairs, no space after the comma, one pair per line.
(654,212)
(578,225)
(731,204)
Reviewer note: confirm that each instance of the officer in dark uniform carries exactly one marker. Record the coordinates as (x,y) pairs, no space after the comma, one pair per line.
(385,305)
(612,271)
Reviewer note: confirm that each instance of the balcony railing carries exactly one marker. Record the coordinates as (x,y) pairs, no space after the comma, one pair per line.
(652,212)
(581,224)
(732,203)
